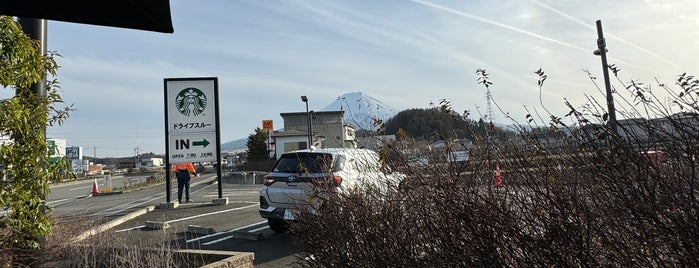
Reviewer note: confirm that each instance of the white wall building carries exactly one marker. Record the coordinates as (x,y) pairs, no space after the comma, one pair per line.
(80,165)
(328,131)
(148,163)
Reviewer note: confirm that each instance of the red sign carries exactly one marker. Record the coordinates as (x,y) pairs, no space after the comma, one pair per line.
(267,125)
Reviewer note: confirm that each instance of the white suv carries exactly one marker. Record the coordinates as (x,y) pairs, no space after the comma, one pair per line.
(293,180)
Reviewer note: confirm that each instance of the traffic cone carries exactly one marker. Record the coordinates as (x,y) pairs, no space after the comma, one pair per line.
(498,177)
(95,189)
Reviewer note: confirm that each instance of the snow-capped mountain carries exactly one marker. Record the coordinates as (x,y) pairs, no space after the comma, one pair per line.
(361,109)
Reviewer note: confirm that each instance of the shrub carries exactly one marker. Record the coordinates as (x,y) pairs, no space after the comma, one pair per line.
(593,194)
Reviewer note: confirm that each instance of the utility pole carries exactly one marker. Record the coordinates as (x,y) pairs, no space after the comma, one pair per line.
(602,52)
(490,131)
(135,163)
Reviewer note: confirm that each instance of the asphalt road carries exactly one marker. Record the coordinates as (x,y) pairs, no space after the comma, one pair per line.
(236,226)
(73,197)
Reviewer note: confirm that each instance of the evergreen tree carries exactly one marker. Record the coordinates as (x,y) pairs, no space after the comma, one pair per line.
(257,145)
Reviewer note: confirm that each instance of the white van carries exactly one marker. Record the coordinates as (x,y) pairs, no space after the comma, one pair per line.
(291,183)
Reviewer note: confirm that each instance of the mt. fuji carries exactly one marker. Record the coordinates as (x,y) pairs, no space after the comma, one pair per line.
(360,109)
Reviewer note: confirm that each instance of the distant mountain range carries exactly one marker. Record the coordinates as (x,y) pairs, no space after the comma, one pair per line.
(360,111)
(235,145)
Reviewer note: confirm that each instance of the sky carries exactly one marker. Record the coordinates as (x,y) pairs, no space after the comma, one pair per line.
(405,53)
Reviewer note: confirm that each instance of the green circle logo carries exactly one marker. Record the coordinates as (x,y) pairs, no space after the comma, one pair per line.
(191,101)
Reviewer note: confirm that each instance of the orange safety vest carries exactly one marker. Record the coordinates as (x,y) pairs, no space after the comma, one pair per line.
(184,166)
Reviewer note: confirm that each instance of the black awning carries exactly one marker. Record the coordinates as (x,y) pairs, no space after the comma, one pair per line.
(149,15)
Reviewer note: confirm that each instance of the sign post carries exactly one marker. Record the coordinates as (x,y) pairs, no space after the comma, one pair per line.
(192,124)
(267,125)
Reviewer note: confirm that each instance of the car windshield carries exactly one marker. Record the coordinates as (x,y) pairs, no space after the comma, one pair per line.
(304,163)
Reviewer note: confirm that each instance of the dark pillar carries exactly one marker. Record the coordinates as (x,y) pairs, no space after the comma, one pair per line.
(36,30)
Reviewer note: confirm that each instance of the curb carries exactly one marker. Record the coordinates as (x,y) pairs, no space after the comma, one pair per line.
(257,236)
(200,230)
(156,225)
(112,223)
(127,217)
(107,193)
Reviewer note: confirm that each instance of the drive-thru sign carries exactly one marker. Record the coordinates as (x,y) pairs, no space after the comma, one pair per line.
(191,124)
(191,119)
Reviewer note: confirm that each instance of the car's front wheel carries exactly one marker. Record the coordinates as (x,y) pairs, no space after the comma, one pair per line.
(278,225)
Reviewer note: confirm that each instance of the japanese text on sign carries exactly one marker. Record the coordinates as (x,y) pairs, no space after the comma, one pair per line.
(191,125)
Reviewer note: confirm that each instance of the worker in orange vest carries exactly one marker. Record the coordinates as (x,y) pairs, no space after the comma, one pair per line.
(182,172)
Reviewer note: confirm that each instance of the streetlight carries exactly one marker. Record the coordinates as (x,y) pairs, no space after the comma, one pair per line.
(308,122)
(602,52)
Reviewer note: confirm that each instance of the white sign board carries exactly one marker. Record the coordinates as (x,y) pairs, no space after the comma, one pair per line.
(192,147)
(191,116)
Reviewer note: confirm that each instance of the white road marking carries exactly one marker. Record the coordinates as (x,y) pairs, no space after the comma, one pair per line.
(139,202)
(217,240)
(259,229)
(58,201)
(237,193)
(80,188)
(211,213)
(224,232)
(120,208)
(129,229)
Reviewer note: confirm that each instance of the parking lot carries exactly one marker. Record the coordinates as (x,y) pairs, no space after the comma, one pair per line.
(236,226)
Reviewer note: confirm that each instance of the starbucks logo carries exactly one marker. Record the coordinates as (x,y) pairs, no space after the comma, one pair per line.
(191,101)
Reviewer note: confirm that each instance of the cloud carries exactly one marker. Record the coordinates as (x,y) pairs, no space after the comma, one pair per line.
(404,53)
